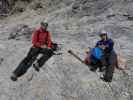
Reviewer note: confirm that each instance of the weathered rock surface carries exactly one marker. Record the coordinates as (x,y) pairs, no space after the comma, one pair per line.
(74,24)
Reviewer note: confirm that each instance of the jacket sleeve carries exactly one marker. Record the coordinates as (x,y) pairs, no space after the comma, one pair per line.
(97,44)
(110,45)
(49,40)
(35,39)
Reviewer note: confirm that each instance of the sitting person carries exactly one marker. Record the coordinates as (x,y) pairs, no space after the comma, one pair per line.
(103,55)
(42,44)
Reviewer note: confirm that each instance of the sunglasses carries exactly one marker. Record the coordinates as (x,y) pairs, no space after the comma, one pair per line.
(102,35)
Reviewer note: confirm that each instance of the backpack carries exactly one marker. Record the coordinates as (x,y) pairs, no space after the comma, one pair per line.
(97,53)
(55,46)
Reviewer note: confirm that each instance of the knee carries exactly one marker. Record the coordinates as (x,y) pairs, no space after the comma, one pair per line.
(26,59)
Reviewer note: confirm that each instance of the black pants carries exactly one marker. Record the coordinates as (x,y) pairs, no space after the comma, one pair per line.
(30,58)
(111,60)
(95,64)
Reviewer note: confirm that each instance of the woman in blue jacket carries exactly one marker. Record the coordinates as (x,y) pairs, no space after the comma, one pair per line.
(103,56)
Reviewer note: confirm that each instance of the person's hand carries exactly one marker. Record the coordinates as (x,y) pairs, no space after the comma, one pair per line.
(106,46)
(83,62)
(102,47)
(44,46)
(49,48)
(33,47)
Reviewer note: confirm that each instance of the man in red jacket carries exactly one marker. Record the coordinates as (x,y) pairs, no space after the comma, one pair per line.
(41,40)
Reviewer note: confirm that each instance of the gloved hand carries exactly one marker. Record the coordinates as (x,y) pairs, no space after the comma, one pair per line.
(102,47)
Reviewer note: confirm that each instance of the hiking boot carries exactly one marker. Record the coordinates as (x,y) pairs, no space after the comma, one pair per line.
(102,69)
(36,67)
(13,77)
(93,69)
(105,80)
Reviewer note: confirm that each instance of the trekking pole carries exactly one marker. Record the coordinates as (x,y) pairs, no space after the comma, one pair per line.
(77,57)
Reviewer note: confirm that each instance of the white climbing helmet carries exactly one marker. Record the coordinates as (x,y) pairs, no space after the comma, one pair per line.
(103,32)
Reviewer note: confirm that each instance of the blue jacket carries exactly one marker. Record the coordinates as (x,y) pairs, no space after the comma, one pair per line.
(108,43)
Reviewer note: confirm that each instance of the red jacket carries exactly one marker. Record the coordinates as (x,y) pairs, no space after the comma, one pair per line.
(41,37)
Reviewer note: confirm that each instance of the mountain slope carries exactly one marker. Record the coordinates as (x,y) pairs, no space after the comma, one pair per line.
(74,24)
